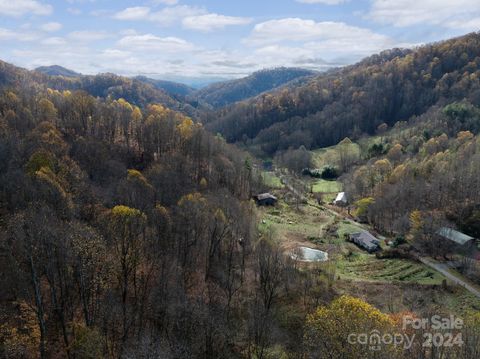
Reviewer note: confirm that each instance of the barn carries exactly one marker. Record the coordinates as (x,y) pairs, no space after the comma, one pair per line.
(461,242)
(341,200)
(365,240)
(456,237)
(265,199)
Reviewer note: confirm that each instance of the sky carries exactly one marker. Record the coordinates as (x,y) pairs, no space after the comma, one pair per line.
(214,39)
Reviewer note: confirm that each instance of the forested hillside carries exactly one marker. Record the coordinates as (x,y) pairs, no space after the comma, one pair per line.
(426,171)
(120,229)
(103,85)
(225,93)
(389,87)
(130,232)
(172,88)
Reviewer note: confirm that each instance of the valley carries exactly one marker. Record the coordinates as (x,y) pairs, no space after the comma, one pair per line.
(268,216)
(324,227)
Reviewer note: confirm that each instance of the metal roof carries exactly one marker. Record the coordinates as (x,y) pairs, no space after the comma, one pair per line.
(341,197)
(366,238)
(263,196)
(453,235)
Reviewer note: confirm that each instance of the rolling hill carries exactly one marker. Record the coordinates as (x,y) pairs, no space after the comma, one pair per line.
(171,87)
(224,93)
(102,85)
(56,70)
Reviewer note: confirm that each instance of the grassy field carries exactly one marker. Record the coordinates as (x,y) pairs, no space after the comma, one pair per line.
(345,227)
(271,180)
(330,155)
(289,226)
(316,227)
(361,266)
(408,296)
(325,186)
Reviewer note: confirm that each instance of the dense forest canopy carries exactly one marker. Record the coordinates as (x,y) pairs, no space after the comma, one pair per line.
(111,216)
(129,231)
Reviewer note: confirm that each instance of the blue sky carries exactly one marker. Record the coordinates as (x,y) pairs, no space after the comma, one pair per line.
(204,39)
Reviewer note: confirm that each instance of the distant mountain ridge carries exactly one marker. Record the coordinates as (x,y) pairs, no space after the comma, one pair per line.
(171,87)
(56,70)
(215,95)
(102,85)
(225,93)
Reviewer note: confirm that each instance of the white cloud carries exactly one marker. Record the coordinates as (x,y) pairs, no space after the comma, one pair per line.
(191,17)
(465,25)
(278,55)
(51,26)
(150,42)
(100,12)
(299,30)
(9,35)
(128,32)
(53,41)
(317,45)
(165,17)
(434,12)
(210,22)
(74,11)
(21,7)
(326,2)
(286,53)
(88,35)
(133,13)
(170,15)
(115,53)
(164,2)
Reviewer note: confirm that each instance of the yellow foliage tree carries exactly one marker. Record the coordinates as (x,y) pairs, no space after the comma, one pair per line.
(125,105)
(398,173)
(193,198)
(137,115)
(157,109)
(47,110)
(383,166)
(185,128)
(395,152)
(331,330)
(416,221)
(362,206)
(124,213)
(464,136)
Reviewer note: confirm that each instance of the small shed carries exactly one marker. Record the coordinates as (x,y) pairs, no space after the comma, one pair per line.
(265,199)
(365,240)
(341,199)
